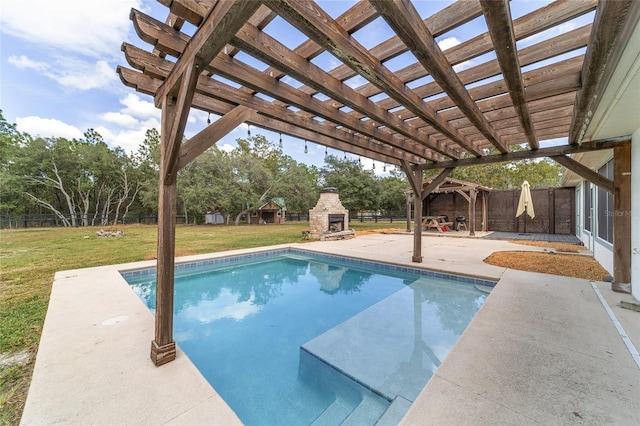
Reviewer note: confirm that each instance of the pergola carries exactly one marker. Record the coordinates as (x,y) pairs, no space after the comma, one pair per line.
(467,190)
(433,113)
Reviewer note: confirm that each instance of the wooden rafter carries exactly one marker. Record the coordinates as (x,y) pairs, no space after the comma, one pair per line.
(405,20)
(321,28)
(215,31)
(539,20)
(235,70)
(198,144)
(175,114)
(498,17)
(287,123)
(526,155)
(609,23)
(270,51)
(582,170)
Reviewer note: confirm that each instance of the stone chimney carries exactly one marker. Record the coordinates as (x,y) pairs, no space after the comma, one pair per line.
(329,219)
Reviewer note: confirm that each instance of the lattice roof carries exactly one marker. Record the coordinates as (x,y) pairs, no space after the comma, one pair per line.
(290,67)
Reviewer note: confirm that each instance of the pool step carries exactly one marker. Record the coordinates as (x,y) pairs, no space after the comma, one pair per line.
(334,413)
(367,412)
(395,412)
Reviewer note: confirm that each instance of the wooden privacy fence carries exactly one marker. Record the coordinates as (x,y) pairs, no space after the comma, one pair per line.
(554,211)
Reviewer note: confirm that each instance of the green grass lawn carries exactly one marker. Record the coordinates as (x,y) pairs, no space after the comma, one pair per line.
(30,258)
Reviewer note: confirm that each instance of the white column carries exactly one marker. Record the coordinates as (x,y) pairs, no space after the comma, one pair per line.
(635,212)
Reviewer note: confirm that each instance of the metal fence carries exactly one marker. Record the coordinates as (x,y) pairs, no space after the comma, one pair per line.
(17,221)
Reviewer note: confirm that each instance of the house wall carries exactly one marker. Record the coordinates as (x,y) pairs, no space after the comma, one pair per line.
(635,212)
(602,249)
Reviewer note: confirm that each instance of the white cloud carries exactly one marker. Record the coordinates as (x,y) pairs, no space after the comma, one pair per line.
(93,28)
(124,120)
(137,107)
(47,128)
(129,140)
(70,72)
(227,147)
(448,43)
(22,62)
(85,75)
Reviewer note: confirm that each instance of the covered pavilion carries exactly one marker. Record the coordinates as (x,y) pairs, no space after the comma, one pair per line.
(467,190)
(521,80)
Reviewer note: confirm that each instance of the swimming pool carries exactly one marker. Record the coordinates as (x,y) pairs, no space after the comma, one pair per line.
(292,337)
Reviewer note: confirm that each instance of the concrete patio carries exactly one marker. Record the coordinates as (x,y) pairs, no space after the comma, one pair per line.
(542,350)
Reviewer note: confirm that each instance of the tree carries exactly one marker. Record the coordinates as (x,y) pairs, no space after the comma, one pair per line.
(11,186)
(541,173)
(147,161)
(392,197)
(358,190)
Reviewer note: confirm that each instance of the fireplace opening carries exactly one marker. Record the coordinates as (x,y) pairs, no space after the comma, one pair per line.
(336,222)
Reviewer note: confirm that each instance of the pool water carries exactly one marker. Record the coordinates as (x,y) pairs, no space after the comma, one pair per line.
(295,340)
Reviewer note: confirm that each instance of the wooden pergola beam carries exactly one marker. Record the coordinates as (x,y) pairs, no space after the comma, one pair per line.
(321,28)
(287,122)
(209,136)
(526,155)
(607,27)
(224,20)
(544,50)
(530,24)
(435,182)
(585,172)
(175,112)
(498,17)
(235,70)
(405,20)
(159,68)
(268,50)
(439,23)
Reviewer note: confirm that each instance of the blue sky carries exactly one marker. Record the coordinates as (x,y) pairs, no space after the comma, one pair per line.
(58,62)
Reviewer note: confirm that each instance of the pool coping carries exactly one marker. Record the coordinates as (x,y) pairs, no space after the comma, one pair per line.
(93,362)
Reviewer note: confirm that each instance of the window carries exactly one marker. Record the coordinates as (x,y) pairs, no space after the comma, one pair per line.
(605,206)
(587,206)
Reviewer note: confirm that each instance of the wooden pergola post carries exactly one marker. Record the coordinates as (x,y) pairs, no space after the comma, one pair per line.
(485,209)
(163,348)
(415,179)
(408,207)
(621,218)
(472,212)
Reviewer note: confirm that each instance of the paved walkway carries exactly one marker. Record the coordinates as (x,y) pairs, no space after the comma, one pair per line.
(555,238)
(542,349)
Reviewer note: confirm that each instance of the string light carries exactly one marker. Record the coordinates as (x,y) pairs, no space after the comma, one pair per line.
(280,143)
(326,154)
(384,168)
(374,166)
(306,150)
(209,119)
(345,155)
(248,130)
(359,162)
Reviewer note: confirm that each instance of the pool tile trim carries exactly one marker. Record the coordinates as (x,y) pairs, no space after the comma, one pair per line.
(229,260)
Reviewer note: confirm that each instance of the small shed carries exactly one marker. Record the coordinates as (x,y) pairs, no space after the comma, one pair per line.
(271,212)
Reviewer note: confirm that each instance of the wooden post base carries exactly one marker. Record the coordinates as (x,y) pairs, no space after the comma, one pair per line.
(621,288)
(416,259)
(162,354)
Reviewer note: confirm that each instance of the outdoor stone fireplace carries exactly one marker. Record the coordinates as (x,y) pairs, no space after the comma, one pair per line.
(329,220)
